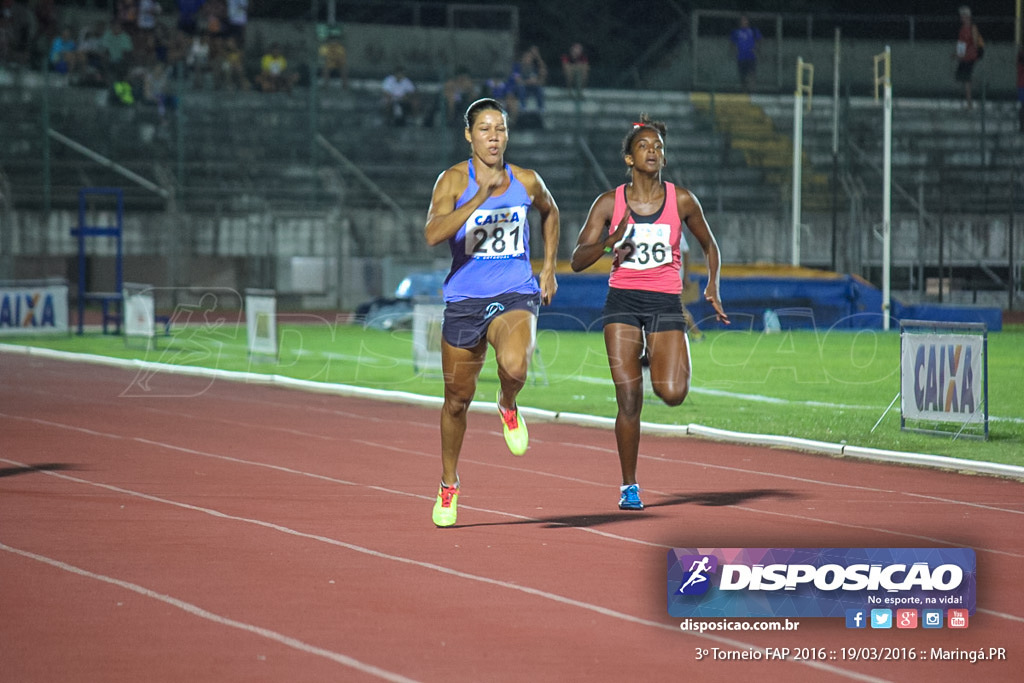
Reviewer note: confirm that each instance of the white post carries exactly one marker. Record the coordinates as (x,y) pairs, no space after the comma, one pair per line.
(885,80)
(798,150)
(887,195)
(798,145)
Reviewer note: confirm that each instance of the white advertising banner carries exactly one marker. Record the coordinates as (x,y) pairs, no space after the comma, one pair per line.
(426,337)
(261,322)
(27,309)
(139,313)
(942,377)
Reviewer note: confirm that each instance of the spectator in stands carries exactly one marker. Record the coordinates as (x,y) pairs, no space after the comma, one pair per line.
(238,20)
(213,19)
(334,59)
(117,46)
(230,71)
(529,76)
(275,76)
(155,90)
(199,61)
(47,21)
(126,13)
(188,15)
(970,47)
(503,89)
(92,57)
(15,33)
(576,69)
(641,224)
(459,91)
(746,43)
(148,11)
(175,43)
(398,97)
(64,55)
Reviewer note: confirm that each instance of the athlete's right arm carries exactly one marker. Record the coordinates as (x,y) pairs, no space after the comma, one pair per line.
(593,238)
(443,219)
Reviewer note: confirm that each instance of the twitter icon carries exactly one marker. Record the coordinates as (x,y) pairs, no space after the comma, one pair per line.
(881,618)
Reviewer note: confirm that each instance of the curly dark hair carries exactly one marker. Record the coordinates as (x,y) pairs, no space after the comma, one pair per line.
(644,122)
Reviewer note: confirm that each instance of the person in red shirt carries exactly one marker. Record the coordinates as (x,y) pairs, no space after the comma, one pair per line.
(576,69)
(970,47)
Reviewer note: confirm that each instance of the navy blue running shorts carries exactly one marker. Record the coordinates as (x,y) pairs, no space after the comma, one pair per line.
(466,321)
(650,311)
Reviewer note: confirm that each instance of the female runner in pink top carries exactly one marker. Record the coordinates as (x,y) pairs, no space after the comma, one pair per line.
(640,225)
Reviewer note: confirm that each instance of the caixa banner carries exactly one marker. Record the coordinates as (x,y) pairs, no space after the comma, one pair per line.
(33,307)
(817,582)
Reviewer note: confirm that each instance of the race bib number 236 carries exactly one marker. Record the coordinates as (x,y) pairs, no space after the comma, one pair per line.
(496,233)
(646,245)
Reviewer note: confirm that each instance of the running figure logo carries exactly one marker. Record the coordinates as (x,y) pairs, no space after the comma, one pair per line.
(696,581)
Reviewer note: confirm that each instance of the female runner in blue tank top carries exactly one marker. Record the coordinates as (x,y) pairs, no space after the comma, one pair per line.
(479,207)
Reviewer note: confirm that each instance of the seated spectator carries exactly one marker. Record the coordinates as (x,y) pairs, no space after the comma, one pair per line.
(213,19)
(155,90)
(503,89)
(238,19)
(47,21)
(230,72)
(399,97)
(92,56)
(333,59)
(188,16)
(145,21)
(530,74)
(16,27)
(117,46)
(459,91)
(64,55)
(198,60)
(126,14)
(274,74)
(576,69)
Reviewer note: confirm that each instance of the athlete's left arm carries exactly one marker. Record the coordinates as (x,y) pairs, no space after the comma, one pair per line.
(692,215)
(550,228)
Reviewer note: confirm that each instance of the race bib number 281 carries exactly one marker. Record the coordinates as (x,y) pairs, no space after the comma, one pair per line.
(496,233)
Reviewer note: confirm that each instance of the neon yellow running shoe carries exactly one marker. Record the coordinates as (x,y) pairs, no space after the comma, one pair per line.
(517,438)
(446,507)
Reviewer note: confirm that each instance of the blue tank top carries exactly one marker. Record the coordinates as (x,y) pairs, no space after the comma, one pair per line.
(491,251)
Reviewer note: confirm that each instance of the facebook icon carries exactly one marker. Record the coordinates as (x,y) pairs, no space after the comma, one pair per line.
(856,618)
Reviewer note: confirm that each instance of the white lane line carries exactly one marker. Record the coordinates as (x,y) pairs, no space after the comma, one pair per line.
(523,518)
(536,592)
(197,611)
(787,515)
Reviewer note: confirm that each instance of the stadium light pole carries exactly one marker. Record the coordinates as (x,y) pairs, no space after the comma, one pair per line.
(885,59)
(798,145)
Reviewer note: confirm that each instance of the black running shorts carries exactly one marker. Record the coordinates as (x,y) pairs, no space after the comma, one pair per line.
(650,311)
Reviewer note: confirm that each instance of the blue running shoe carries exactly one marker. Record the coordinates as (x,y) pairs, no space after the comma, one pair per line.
(630,499)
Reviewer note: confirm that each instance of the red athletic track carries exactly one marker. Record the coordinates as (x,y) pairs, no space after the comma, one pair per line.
(218,531)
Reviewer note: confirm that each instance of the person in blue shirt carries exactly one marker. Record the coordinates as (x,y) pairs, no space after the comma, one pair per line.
(746,41)
(491,295)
